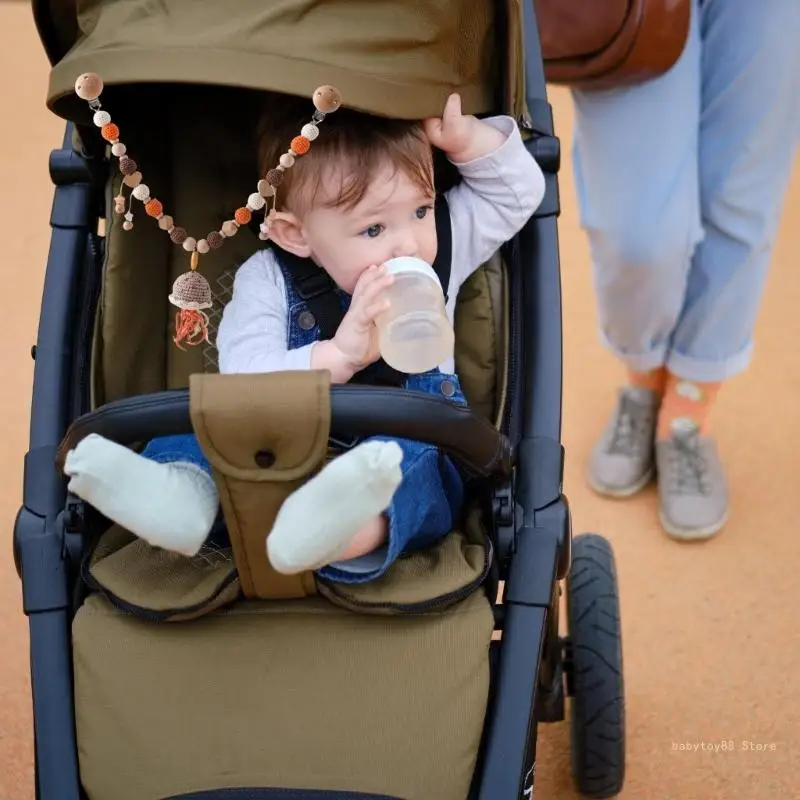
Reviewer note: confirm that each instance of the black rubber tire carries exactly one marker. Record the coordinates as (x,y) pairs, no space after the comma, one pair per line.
(597,712)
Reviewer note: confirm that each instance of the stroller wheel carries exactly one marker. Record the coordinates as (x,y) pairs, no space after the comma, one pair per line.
(593,662)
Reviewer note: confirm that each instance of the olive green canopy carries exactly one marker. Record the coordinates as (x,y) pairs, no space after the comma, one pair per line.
(397,58)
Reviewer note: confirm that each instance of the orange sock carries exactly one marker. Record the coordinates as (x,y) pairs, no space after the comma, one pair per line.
(653,380)
(685,400)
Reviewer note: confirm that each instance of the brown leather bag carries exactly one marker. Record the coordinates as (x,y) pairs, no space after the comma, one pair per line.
(601,44)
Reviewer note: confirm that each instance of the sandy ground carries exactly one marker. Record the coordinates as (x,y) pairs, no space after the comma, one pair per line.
(711,638)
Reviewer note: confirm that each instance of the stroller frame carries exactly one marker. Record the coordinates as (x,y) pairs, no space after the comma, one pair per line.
(533,667)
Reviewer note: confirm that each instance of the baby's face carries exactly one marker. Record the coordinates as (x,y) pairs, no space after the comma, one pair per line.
(394,218)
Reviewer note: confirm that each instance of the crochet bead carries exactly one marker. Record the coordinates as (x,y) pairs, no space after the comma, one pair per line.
(166,222)
(202,246)
(89,86)
(189,244)
(127,225)
(214,240)
(310,131)
(142,192)
(274,177)
(287,160)
(127,166)
(153,207)
(264,189)
(133,180)
(327,99)
(178,235)
(300,145)
(242,215)
(256,202)
(101,118)
(110,132)
(229,228)
(118,149)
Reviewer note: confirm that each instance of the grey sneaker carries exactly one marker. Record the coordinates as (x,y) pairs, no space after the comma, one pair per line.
(692,489)
(622,461)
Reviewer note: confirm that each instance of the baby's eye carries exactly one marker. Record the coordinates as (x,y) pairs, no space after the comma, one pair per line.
(422,211)
(373,231)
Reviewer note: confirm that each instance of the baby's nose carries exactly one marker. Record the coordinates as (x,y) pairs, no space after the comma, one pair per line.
(406,246)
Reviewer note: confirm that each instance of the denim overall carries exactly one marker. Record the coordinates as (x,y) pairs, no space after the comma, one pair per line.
(427,504)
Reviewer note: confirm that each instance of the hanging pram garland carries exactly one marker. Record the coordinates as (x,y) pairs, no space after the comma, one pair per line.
(191,292)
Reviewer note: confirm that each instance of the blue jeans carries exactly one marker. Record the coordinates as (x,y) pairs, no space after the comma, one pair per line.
(425,507)
(681,182)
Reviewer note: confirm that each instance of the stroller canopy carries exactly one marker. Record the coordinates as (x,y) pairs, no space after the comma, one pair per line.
(387,57)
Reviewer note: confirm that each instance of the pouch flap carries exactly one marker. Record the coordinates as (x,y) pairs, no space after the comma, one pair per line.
(263,428)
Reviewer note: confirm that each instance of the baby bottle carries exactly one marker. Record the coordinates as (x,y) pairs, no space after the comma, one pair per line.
(414,334)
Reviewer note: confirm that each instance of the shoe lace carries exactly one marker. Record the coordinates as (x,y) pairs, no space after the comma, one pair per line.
(631,428)
(689,469)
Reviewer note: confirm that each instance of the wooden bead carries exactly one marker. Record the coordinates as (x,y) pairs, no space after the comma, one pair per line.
(89,86)
(110,132)
(242,215)
(300,145)
(133,180)
(202,246)
(189,244)
(178,235)
(287,161)
(229,228)
(264,189)
(274,177)
(154,208)
(214,240)
(127,225)
(127,166)
(327,99)
(166,222)
(118,149)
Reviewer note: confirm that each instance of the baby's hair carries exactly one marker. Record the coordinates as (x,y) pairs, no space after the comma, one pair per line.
(361,144)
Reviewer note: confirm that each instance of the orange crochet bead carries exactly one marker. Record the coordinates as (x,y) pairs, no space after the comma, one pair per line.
(154,207)
(300,145)
(242,215)
(110,132)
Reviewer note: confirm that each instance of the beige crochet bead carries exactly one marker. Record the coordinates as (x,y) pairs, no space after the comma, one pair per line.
(88,86)
(229,228)
(256,202)
(287,160)
(189,244)
(101,118)
(133,180)
(142,192)
(166,222)
(310,131)
(118,149)
(202,246)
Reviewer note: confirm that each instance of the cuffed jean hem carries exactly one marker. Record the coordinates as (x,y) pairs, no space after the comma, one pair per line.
(638,362)
(704,371)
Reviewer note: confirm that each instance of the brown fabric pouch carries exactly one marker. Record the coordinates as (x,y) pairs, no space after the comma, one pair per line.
(264,435)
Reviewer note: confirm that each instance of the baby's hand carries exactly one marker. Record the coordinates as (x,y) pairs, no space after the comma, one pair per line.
(357,337)
(462,138)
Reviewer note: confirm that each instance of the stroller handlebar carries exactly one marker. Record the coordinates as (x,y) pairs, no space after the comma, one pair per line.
(458,431)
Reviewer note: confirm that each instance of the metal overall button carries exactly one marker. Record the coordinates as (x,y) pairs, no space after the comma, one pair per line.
(306,320)
(447,388)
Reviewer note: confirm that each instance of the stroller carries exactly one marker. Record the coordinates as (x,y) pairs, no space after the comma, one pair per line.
(149,683)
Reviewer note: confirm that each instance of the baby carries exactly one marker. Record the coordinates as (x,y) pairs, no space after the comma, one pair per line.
(363,195)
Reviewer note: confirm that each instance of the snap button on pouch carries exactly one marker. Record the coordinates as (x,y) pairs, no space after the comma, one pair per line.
(448,389)
(306,320)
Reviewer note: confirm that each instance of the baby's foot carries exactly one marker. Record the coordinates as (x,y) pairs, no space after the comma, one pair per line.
(316,524)
(168,505)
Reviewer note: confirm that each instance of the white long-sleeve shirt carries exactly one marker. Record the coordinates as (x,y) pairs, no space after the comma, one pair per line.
(499,192)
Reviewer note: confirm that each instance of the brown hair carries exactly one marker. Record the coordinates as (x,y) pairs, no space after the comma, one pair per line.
(360,144)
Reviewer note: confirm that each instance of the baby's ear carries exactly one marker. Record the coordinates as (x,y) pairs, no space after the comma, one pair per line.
(287,232)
